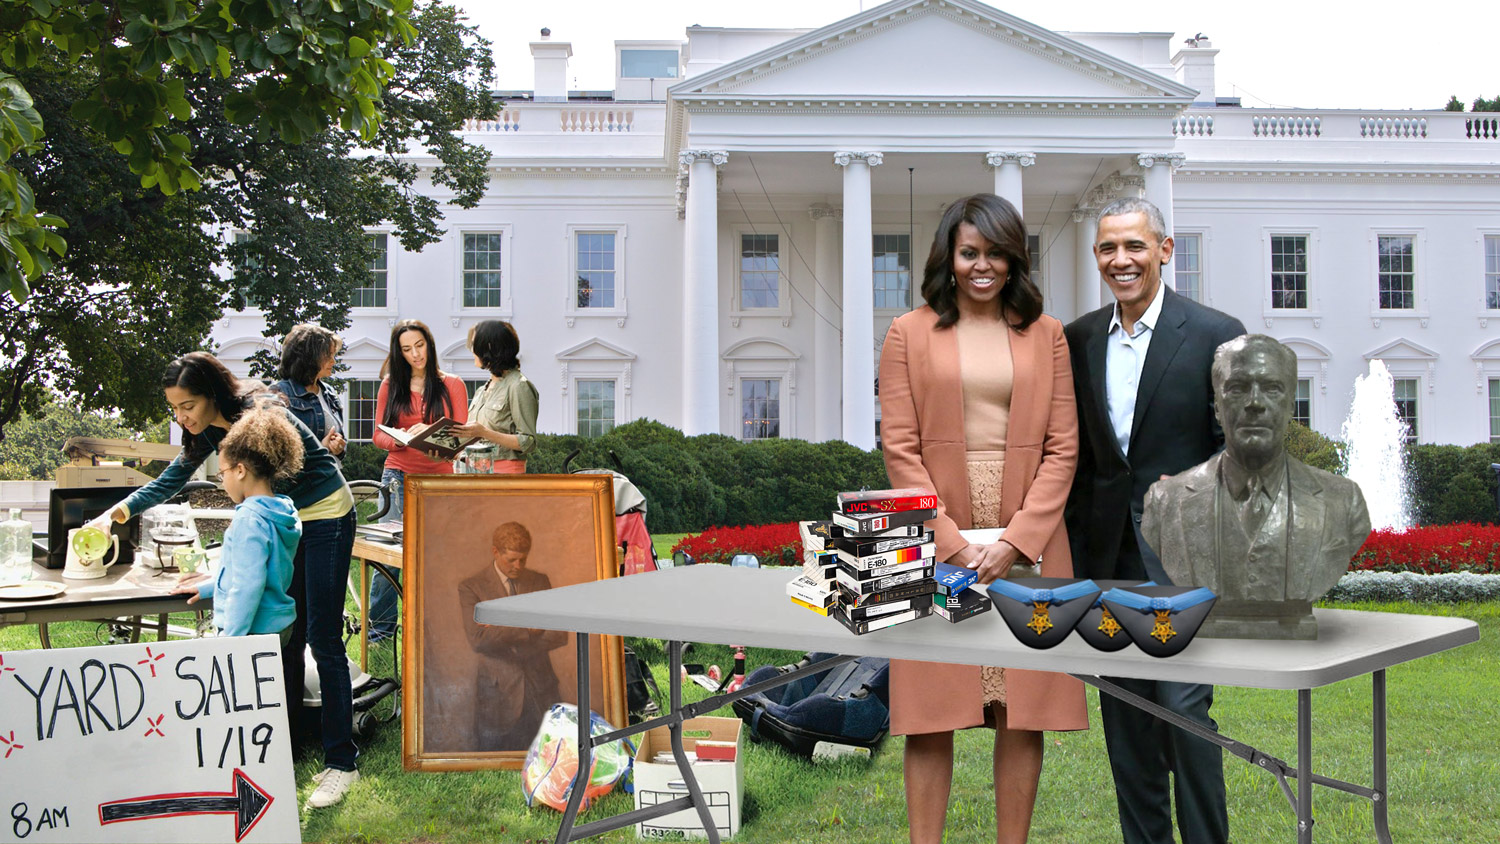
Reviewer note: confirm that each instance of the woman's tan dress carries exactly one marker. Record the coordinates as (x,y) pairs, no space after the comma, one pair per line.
(987,375)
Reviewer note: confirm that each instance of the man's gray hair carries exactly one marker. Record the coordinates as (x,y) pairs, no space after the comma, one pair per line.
(1246,343)
(1135,205)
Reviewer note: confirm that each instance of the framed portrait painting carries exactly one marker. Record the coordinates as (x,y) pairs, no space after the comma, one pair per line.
(474,694)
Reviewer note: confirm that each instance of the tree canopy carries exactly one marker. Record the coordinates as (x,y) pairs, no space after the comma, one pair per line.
(278,219)
(1479,104)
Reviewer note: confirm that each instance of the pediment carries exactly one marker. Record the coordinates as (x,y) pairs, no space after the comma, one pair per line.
(1487,351)
(364,349)
(241,348)
(759,348)
(595,349)
(933,49)
(1401,349)
(1307,349)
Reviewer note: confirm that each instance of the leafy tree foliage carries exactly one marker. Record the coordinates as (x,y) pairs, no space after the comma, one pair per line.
(147,272)
(1482,104)
(301,67)
(33,448)
(1454,104)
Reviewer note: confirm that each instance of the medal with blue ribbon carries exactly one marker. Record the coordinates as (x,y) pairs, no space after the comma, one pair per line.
(1107,623)
(1042,600)
(1162,631)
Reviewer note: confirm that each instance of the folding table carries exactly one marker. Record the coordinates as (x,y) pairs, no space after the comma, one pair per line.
(745,606)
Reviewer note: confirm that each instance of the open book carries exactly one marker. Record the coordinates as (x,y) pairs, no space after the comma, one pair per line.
(432,437)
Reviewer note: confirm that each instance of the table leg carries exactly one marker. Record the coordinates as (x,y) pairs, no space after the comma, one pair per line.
(1304,767)
(161,631)
(364,615)
(674,650)
(1379,799)
(585,744)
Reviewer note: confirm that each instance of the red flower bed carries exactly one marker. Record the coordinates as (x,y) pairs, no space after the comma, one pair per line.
(775,545)
(1432,550)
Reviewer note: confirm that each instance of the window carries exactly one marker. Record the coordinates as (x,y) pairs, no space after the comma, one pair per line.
(1187,260)
(1289,271)
(360,405)
(1495,410)
(373,296)
(472,385)
(596,407)
(482,263)
(1034,254)
(595,269)
(1492,271)
(1302,402)
(760,270)
(760,408)
(893,271)
(648,64)
(1398,272)
(1405,393)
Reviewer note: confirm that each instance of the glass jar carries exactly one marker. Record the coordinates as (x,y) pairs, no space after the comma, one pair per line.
(15,548)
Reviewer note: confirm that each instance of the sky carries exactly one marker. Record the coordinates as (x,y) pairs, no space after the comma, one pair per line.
(1273,53)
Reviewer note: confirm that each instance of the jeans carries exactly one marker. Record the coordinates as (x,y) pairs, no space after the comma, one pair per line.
(318,585)
(382,594)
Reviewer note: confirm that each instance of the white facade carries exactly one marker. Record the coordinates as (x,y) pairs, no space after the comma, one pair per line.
(733,211)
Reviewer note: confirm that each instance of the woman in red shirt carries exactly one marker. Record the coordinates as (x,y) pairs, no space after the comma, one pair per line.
(413,393)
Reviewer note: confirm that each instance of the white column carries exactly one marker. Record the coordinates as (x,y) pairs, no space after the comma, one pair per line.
(1007,167)
(1159,167)
(1088,286)
(827,368)
(859,299)
(700,292)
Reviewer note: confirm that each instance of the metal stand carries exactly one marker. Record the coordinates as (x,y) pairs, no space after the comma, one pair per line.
(1301,801)
(673,720)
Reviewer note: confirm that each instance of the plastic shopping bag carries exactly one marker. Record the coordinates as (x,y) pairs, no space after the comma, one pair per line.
(552,761)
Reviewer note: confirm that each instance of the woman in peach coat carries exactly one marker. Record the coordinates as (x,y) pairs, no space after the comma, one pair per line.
(976,397)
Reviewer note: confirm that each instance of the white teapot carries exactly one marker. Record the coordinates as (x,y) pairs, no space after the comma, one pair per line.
(87,547)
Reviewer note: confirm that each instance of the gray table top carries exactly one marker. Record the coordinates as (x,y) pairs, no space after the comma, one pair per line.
(122,590)
(745,606)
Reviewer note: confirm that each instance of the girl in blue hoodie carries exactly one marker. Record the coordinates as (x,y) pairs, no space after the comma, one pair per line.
(255,564)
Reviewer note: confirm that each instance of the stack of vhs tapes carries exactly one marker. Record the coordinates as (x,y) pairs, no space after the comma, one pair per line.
(958,596)
(883,558)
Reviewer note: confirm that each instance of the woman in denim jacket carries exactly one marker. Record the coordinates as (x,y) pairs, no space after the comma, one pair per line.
(307,356)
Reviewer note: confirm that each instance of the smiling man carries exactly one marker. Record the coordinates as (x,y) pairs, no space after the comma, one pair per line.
(1145,410)
(1268,533)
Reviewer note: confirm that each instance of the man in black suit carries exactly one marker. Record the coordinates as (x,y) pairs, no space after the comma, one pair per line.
(514,681)
(1141,369)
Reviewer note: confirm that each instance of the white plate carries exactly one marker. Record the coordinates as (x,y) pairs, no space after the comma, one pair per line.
(28,591)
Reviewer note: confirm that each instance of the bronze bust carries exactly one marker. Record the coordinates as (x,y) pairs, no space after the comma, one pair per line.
(1266,532)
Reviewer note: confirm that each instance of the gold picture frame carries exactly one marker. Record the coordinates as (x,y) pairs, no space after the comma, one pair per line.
(471,690)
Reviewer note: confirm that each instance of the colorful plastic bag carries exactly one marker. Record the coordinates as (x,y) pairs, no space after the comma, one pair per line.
(552,761)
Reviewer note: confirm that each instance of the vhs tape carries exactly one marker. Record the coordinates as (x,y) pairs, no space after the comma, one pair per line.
(882,571)
(880,584)
(864,546)
(878,610)
(885,559)
(859,628)
(850,598)
(871,523)
(886,500)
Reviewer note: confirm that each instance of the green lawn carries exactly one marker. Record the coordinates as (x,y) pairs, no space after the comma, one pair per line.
(1445,713)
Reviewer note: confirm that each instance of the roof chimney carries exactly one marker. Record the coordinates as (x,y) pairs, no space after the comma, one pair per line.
(551,58)
(1194,64)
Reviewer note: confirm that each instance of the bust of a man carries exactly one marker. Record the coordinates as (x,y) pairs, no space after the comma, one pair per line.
(1266,532)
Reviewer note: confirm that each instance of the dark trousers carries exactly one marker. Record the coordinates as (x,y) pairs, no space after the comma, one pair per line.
(1153,761)
(320,578)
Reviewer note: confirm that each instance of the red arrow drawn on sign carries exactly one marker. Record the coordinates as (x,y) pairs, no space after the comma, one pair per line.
(247,801)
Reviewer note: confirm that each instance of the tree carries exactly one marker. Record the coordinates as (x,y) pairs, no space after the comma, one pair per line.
(299,67)
(1482,104)
(33,449)
(1454,104)
(147,272)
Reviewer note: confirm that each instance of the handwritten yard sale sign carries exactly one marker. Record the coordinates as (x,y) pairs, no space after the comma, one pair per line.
(156,741)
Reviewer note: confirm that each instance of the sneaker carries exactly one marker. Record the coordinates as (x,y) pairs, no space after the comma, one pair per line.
(333,784)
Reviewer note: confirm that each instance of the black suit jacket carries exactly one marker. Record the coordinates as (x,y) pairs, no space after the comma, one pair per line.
(1173,430)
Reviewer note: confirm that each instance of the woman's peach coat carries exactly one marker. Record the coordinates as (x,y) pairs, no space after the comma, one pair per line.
(922,428)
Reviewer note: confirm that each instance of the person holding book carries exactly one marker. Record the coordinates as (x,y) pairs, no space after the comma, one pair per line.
(250,590)
(206,400)
(414,393)
(977,405)
(504,410)
(307,357)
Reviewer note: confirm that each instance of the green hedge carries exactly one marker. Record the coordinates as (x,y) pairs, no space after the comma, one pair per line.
(363,462)
(693,483)
(1452,483)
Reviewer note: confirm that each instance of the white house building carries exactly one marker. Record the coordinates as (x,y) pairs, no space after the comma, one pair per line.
(721,242)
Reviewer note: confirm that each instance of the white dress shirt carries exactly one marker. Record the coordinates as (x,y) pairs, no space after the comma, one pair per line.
(1124,358)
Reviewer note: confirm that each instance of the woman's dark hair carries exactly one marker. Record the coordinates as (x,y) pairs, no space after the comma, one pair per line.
(999,223)
(398,395)
(201,374)
(495,343)
(304,351)
(265,442)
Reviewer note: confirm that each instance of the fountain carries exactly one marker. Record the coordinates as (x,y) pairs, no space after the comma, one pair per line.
(1374,435)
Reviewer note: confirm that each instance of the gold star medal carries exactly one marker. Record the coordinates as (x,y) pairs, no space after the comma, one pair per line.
(1040,621)
(1162,631)
(1107,624)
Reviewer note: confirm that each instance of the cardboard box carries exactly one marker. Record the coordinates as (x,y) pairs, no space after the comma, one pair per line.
(723,783)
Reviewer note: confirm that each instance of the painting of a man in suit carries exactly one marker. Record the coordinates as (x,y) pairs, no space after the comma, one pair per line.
(514,679)
(1265,531)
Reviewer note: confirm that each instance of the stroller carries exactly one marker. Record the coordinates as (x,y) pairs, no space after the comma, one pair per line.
(638,554)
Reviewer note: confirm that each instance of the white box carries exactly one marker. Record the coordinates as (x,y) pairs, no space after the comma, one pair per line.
(723,783)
